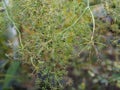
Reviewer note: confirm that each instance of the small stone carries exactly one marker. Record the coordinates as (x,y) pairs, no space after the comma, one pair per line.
(118,42)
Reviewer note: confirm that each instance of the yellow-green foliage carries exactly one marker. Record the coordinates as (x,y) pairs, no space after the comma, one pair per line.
(57,34)
(52,33)
(3,48)
(48,29)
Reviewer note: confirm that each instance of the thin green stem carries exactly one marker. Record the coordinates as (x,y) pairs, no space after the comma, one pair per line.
(74,22)
(10,19)
(93,19)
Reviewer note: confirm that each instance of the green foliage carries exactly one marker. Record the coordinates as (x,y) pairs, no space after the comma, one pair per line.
(51,34)
(3,48)
(10,73)
(63,38)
